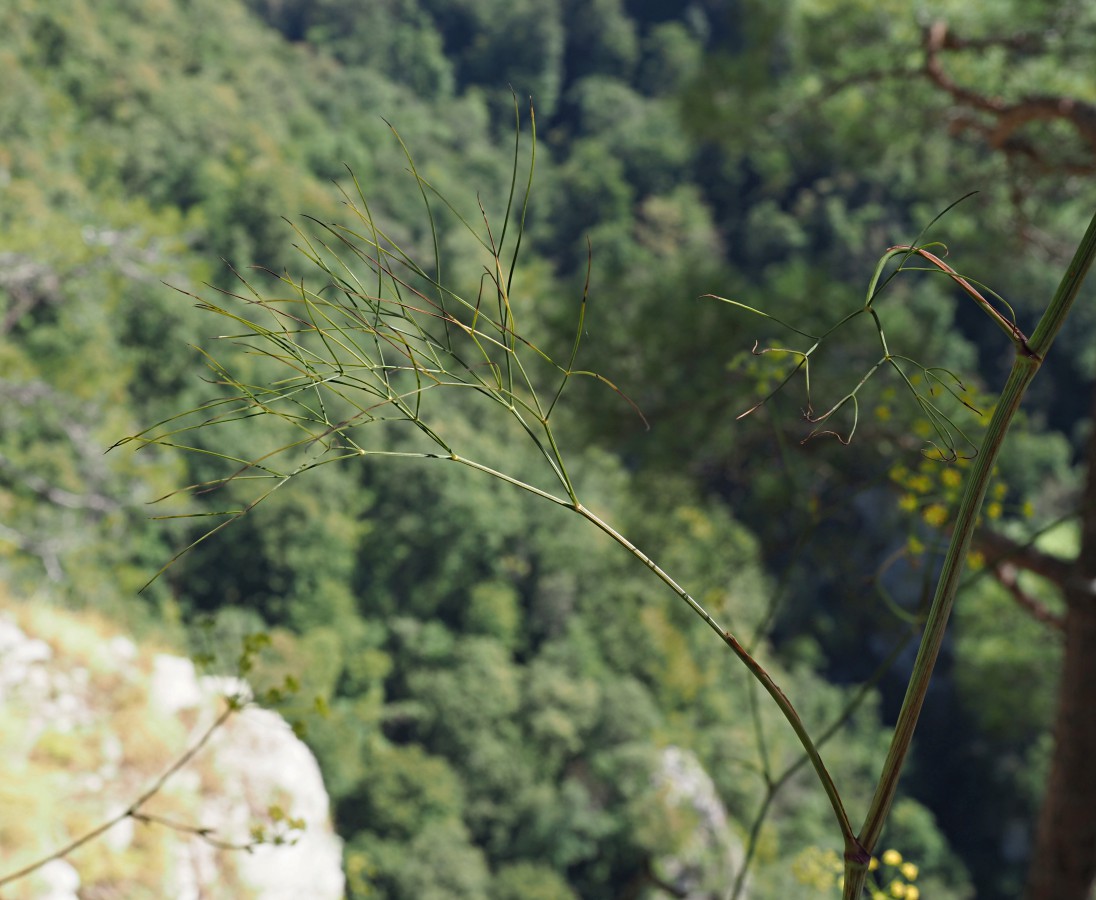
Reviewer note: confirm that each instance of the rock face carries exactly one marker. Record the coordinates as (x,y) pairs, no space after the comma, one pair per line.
(708,862)
(89,722)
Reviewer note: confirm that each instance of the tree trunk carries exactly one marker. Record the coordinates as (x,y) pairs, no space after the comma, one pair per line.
(1063,863)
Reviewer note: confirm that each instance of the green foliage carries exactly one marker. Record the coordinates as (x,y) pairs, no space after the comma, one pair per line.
(493,609)
(494,43)
(601,40)
(411,53)
(438,863)
(671,56)
(438,622)
(912,828)
(1006,678)
(407,789)
(529,881)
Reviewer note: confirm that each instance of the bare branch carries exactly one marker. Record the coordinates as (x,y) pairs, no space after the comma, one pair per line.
(133,811)
(1007,118)
(999,549)
(1006,575)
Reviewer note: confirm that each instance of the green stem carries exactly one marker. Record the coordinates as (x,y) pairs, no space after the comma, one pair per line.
(752,664)
(133,811)
(1024,368)
(502,476)
(756,669)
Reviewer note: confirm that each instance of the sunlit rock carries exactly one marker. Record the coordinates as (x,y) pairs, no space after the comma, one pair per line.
(88,722)
(706,863)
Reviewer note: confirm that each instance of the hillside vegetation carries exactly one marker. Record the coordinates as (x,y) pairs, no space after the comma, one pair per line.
(492,690)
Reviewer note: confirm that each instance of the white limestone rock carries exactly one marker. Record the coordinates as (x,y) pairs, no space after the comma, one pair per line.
(711,859)
(92,721)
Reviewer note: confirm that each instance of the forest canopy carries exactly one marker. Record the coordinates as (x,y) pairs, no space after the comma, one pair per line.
(496,695)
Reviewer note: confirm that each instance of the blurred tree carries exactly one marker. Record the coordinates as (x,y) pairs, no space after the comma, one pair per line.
(529,881)
(671,57)
(601,40)
(495,43)
(959,83)
(410,52)
(521,667)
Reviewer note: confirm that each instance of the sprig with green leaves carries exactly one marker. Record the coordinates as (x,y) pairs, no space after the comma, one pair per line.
(926,384)
(370,338)
(373,337)
(1029,354)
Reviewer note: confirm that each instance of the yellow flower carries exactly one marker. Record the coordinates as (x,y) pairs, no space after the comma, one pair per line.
(908,502)
(1028,509)
(898,889)
(912,892)
(976,559)
(883,413)
(873,864)
(920,484)
(909,871)
(915,546)
(994,510)
(951,477)
(892,858)
(936,514)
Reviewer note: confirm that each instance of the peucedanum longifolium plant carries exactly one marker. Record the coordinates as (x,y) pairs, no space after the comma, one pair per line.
(938,393)
(373,337)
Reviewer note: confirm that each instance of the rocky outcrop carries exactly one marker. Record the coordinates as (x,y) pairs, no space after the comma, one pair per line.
(707,863)
(90,721)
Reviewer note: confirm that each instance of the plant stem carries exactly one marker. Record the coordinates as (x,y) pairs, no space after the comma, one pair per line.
(1024,368)
(756,669)
(133,811)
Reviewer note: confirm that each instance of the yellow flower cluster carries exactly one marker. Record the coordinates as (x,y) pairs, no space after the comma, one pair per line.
(823,870)
(932,491)
(901,885)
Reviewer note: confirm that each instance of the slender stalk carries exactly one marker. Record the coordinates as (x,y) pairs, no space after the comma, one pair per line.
(756,669)
(502,476)
(1024,369)
(133,811)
